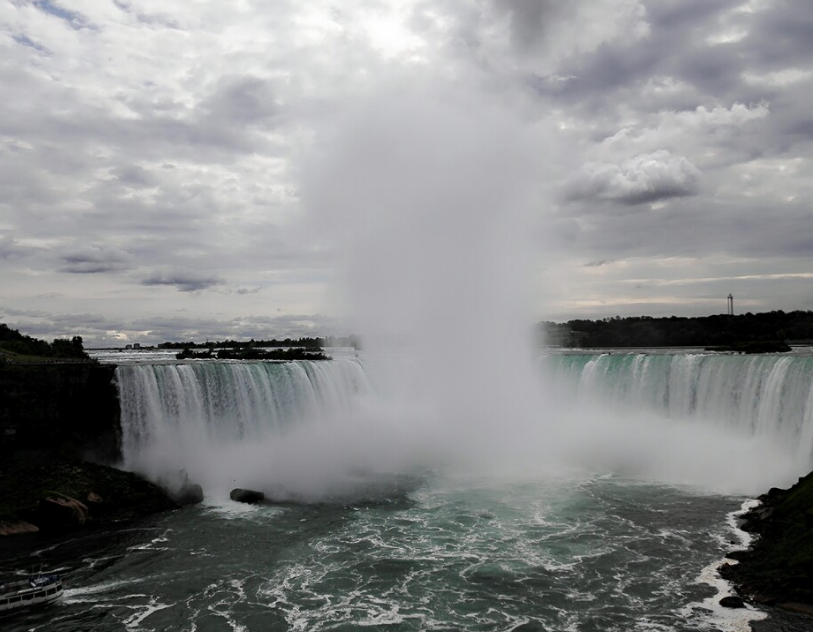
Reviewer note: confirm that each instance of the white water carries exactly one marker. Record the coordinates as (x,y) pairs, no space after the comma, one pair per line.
(316,429)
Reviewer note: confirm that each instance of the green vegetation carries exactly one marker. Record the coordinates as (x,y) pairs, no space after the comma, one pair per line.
(17,347)
(706,331)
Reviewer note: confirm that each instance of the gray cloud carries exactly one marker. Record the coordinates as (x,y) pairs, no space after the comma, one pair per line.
(185,165)
(183,281)
(98,330)
(94,260)
(135,176)
(645,178)
(11,249)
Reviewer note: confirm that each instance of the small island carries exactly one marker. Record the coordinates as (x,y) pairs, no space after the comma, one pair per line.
(253,353)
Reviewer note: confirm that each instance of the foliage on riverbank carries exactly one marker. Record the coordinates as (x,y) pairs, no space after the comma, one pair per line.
(17,347)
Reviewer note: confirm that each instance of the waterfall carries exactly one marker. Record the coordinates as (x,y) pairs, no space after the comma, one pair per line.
(761,395)
(727,422)
(222,403)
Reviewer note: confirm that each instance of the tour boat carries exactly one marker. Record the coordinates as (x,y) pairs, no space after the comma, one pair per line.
(37,590)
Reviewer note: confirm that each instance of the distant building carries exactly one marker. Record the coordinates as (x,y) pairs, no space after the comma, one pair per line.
(136,345)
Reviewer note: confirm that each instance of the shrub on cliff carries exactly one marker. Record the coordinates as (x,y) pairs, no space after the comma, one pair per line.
(17,343)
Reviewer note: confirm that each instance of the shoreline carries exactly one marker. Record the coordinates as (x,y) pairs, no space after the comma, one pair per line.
(775,571)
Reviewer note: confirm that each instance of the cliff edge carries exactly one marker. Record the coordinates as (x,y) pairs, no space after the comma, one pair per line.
(778,568)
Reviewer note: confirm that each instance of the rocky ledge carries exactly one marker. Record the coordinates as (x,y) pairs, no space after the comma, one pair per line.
(778,568)
(62,495)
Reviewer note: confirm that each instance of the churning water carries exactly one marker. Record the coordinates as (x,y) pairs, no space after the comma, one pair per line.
(611,515)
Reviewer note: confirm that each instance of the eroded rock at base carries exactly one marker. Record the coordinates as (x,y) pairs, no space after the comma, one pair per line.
(59,513)
(247,496)
(16,527)
(189,494)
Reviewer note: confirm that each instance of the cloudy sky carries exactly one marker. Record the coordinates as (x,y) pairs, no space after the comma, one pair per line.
(175,170)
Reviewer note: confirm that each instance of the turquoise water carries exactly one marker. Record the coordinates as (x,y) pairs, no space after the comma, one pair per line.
(562,554)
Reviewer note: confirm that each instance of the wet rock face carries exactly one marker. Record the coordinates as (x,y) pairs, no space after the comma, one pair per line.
(778,568)
(58,513)
(60,409)
(47,496)
(16,527)
(732,602)
(189,494)
(247,496)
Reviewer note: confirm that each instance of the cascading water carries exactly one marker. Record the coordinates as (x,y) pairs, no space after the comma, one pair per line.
(734,423)
(762,395)
(173,413)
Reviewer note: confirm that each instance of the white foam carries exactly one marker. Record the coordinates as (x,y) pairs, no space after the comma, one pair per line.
(712,615)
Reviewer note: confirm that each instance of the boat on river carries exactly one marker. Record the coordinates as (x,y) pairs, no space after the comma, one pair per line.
(34,591)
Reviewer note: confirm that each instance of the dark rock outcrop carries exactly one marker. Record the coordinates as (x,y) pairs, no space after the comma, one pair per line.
(778,568)
(247,496)
(45,495)
(58,422)
(16,527)
(189,494)
(732,601)
(58,513)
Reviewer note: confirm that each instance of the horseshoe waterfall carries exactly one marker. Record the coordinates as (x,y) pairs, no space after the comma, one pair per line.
(398,499)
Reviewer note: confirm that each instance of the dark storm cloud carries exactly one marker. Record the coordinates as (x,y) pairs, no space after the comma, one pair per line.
(184,281)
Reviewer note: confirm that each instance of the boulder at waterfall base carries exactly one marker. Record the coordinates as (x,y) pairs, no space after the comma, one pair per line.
(247,496)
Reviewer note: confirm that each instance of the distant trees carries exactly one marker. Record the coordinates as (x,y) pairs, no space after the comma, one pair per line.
(676,331)
(13,341)
(302,343)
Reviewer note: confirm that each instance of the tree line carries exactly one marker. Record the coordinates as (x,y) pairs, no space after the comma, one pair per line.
(679,331)
(13,341)
(316,343)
